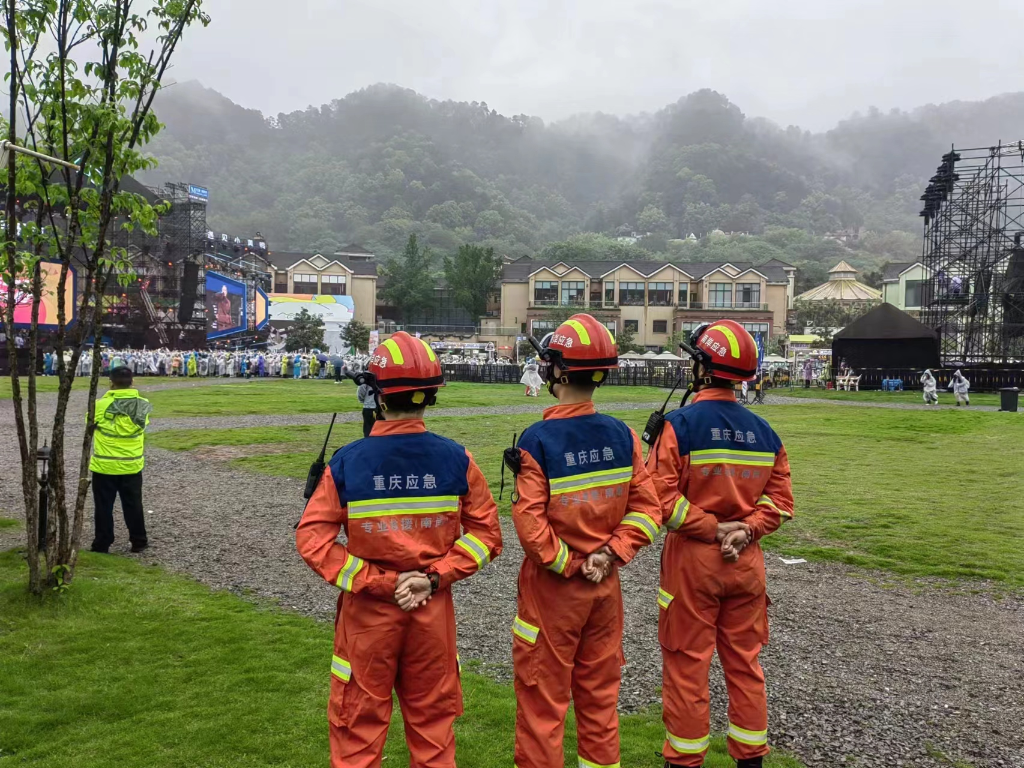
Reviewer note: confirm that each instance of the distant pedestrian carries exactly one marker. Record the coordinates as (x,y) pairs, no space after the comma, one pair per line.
(931,394)
(121,418)
(961,388)
(368,400)
(808,373)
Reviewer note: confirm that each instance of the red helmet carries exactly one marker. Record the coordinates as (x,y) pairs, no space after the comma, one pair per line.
(726,349)
(404,363)
(581,343)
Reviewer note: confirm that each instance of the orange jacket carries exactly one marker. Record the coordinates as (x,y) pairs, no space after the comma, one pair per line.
(715,461)
(583,485)
(408,500)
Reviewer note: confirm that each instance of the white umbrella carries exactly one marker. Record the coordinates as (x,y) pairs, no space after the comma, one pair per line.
(630,356)
(648,355)
(668,356)
(775,359)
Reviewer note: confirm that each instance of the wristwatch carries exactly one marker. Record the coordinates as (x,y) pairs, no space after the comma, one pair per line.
(435,581)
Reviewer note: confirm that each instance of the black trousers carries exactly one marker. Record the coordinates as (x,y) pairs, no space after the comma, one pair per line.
(105,489)
(369,416)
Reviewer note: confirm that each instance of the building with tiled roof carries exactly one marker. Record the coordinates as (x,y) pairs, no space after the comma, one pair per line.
(842,286)
(654,299)
(352,271)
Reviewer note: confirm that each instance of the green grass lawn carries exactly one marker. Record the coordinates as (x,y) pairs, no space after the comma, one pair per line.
(137,668)
(315,396)
(933,493)
(876,396)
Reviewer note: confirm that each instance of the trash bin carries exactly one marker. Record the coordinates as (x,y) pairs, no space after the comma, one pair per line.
(1008,399)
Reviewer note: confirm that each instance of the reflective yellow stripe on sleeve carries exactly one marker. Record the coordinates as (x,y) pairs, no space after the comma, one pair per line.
(561,559)
(644,522)
(678,516)
(347,576)
(727,456)
(764,500)
(476,549)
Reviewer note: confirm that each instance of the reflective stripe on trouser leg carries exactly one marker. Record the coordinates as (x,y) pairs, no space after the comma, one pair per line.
(428,686)
(741,631)
(542,664)
(686,711)
(596,679)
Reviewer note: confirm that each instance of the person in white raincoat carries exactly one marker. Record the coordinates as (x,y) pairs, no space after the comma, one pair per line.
(960,387)
(931,394)
(531,379)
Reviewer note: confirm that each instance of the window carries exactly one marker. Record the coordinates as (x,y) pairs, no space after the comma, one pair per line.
(281,283)
(684,290)
(333,285)
(305,284)
(690,326)
(595,292)
(522,327)
(609,294)
(545,292)
(660,294)
(572,293)
(753,328)
(631,325)
(660,326)
(720,295)
(748,295)
(631,294)
(913,295)
(541,327)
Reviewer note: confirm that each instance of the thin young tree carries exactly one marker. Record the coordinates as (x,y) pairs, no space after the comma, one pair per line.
(81,90)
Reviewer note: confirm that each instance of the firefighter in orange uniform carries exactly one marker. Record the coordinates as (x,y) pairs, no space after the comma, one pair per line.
(723,479)
(418,516)
(585,506)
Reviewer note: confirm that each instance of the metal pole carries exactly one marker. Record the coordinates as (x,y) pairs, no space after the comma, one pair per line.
(6,146)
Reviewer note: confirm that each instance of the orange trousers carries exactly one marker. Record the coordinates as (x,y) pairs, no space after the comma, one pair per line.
(567,641)
(707,603)
(379,648)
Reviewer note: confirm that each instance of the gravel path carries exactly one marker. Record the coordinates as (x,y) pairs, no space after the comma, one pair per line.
(863,670)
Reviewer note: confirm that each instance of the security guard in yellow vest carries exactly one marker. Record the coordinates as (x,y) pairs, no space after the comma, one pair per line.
(117,459)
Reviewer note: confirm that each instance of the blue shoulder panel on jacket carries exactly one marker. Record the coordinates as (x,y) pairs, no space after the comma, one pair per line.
(712,424)
(579,445)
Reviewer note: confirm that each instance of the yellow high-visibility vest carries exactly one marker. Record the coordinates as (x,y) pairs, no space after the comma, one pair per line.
(118,443)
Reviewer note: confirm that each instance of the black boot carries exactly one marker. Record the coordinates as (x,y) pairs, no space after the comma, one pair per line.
(750,762)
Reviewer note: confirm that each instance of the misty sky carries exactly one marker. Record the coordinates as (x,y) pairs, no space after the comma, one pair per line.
(809,62)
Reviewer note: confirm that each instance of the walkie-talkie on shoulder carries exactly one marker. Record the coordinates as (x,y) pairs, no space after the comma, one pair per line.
(513,459)
(316,469)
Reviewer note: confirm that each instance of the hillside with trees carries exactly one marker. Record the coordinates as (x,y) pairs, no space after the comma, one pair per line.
(385,163)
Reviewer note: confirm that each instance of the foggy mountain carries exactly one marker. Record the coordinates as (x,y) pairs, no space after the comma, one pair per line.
(385,162)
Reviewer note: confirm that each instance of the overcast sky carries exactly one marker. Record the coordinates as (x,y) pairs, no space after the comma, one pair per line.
(808,62)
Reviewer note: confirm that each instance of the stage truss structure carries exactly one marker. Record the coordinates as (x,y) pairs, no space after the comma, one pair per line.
(973,291)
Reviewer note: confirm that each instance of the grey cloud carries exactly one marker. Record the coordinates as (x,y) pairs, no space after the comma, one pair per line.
(806,62)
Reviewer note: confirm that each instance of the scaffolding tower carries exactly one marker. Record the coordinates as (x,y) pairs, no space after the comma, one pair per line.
(973,292)
(184,231)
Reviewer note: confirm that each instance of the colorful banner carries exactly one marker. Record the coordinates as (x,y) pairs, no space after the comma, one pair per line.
(50,271)
(225,306)
(333,309)
(262,309)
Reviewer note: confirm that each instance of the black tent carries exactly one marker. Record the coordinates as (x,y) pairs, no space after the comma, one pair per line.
(887,337)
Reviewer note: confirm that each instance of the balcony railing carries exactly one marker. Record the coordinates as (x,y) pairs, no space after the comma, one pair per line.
(449,330)
(748,306)
(729,305)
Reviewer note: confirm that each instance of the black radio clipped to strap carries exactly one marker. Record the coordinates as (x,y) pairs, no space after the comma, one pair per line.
(656,422)
(513,459)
